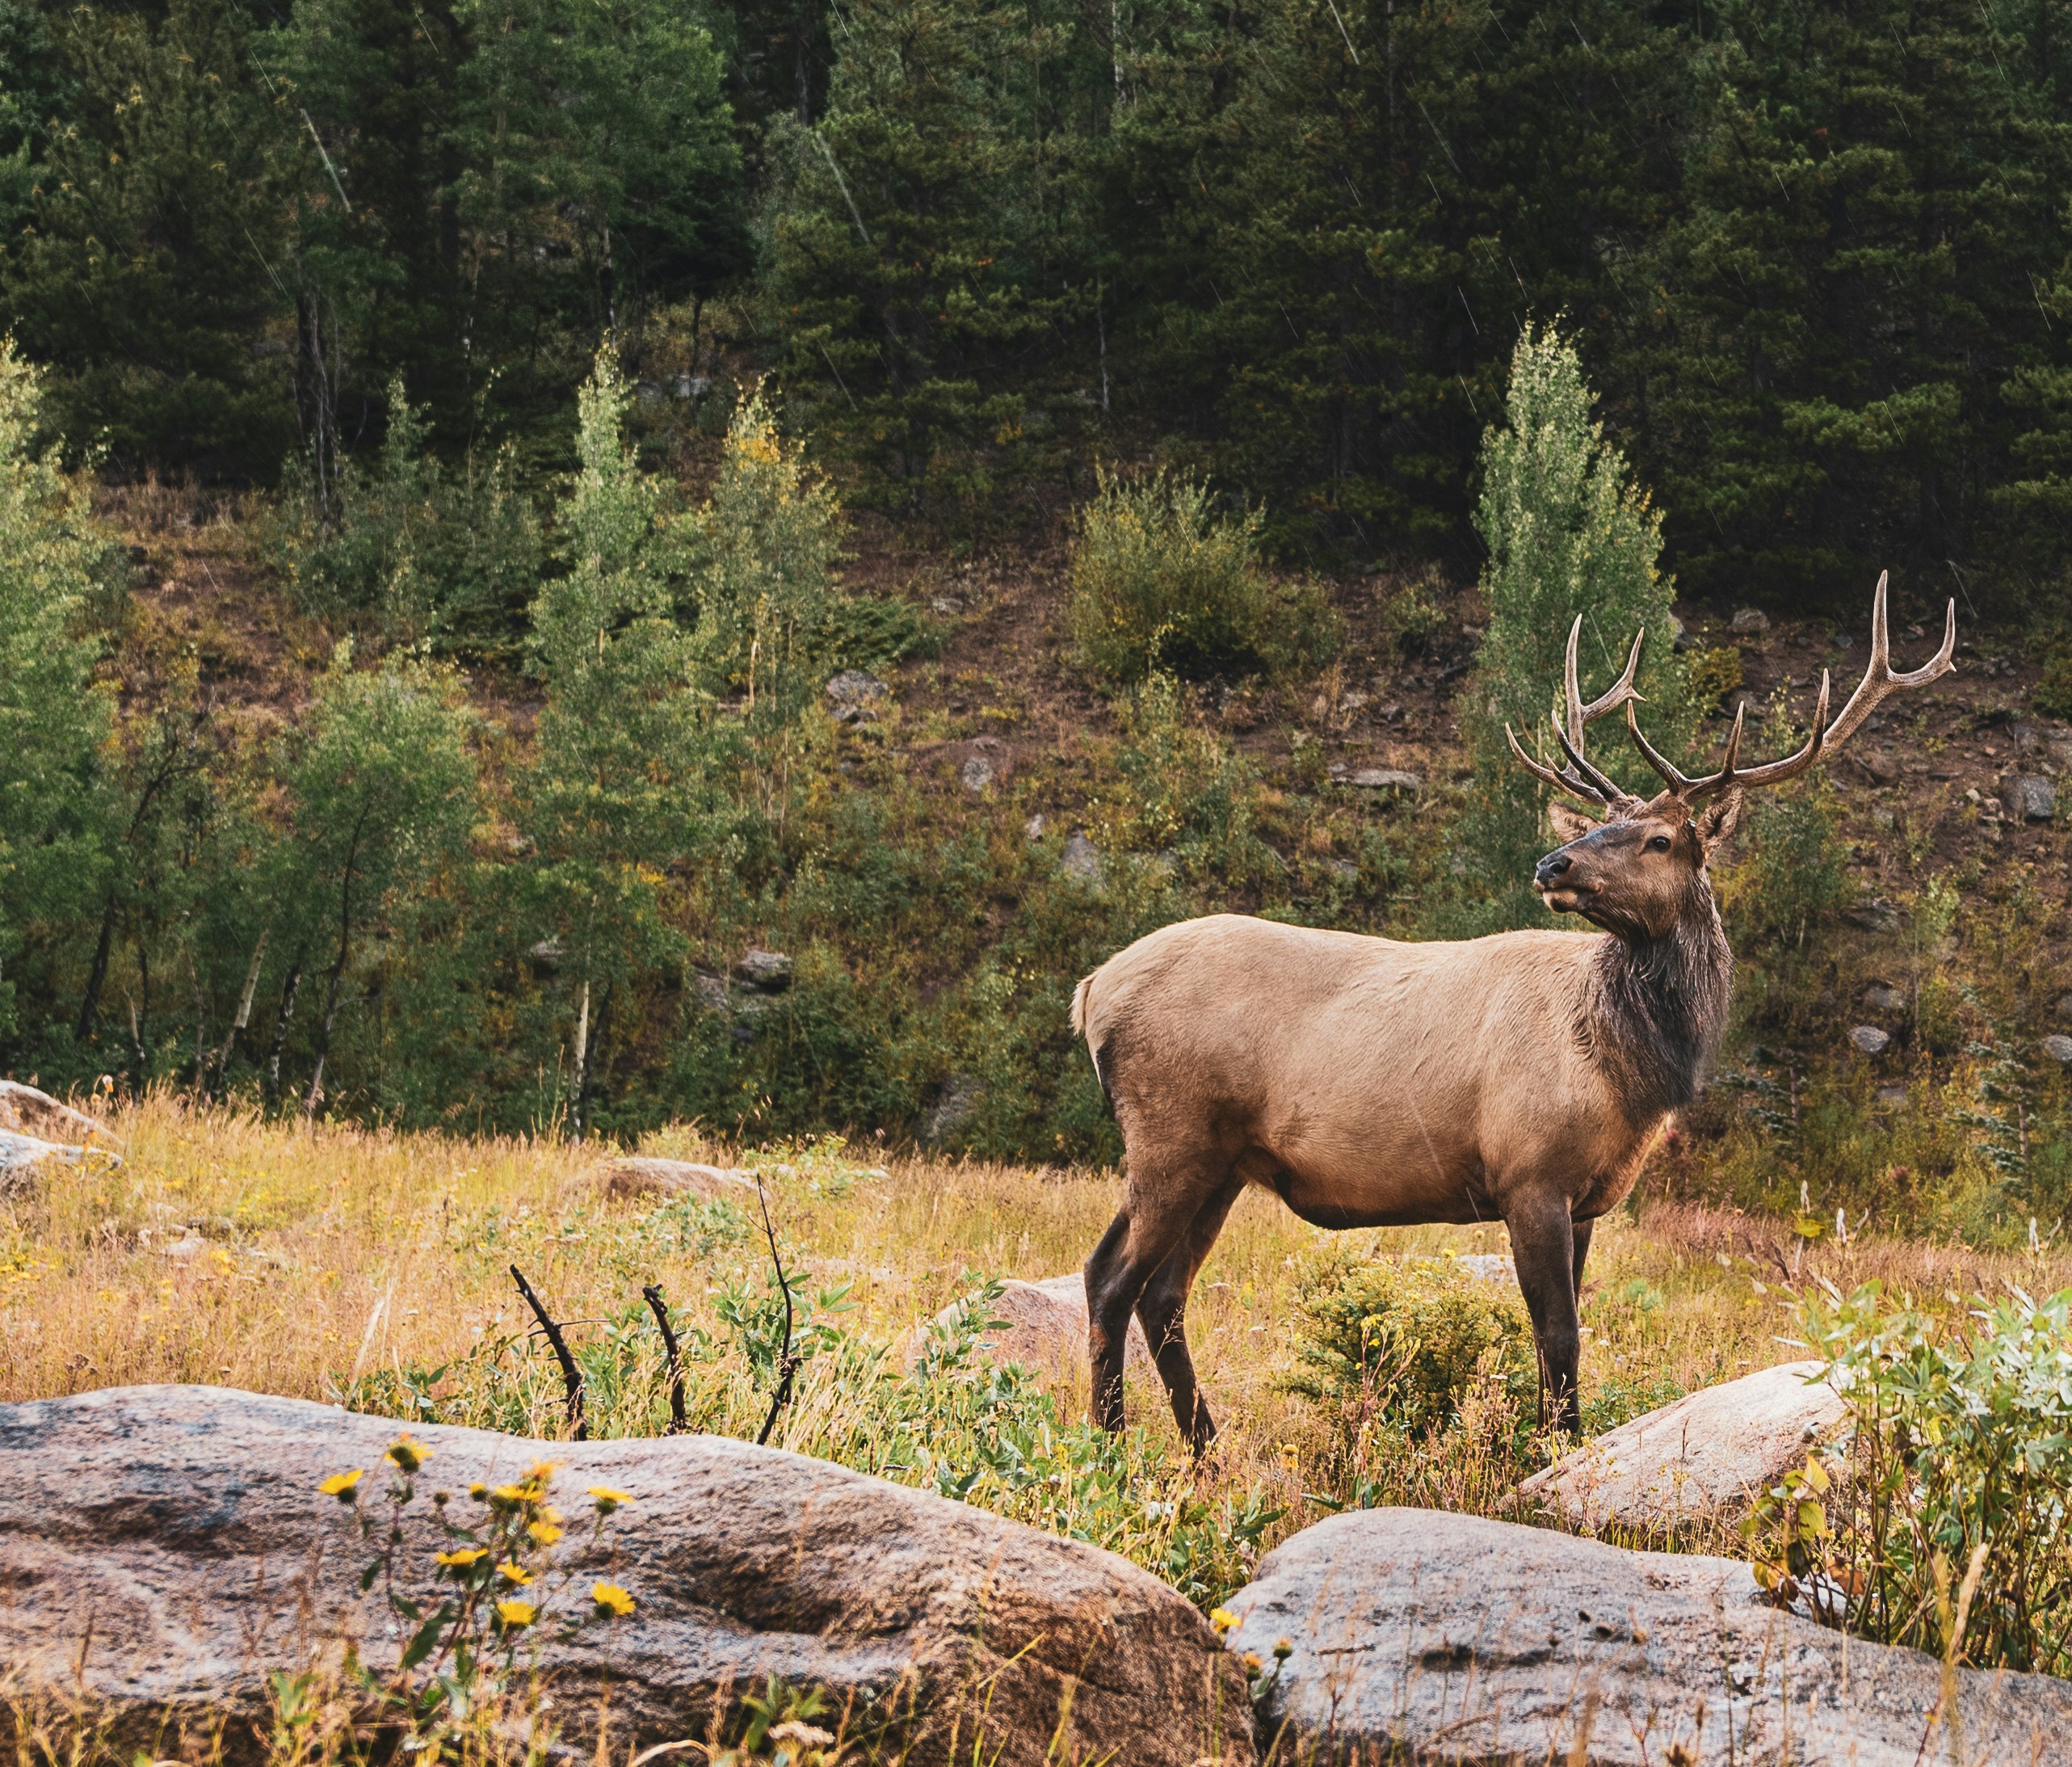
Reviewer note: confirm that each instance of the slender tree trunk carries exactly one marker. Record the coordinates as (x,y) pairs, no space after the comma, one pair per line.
(586,1069)
(289,989)
(337,971)
(97,977)
(580,1078)
(244,1017)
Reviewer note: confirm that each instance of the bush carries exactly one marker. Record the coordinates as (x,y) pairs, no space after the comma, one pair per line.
(410,550)
(1955,1472)
(1714,675)
(1160,582)
(2051,695)
(1404,1342)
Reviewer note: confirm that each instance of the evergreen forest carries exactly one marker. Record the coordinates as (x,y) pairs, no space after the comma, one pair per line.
(569,565)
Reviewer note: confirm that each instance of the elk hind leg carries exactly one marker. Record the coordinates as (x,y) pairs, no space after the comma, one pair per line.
(1162,1309)
(1546,1248)
(1157,1209)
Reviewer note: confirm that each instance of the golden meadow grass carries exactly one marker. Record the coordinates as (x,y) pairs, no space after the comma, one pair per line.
(298,1259)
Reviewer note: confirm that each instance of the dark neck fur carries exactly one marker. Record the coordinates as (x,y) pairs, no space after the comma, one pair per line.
(1659,1008)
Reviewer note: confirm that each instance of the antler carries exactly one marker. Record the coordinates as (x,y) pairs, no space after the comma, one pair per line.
(1580,780)
(1878,684)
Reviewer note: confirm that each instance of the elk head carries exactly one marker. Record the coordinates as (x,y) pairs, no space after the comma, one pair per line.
(1634,871)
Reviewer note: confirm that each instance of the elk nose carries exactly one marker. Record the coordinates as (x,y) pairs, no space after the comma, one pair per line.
(1550,868)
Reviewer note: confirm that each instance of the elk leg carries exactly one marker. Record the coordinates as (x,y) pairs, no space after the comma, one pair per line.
(1545,1246)
(1162,1309)
(1582,1230)
(1155,1218)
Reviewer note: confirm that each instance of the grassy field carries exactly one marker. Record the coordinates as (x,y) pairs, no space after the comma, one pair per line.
(327,1262)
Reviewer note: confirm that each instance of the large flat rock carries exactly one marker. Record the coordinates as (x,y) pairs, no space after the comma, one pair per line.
(162,1550)
(1422,1636)
(1042,1325)
(1706,1456)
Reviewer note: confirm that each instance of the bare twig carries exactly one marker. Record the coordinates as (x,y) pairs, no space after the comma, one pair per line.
(571,1375)
(788,1363)
(660,1308)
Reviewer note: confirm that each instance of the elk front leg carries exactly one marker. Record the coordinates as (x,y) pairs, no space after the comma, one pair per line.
(1548,1247)
(1582,1230)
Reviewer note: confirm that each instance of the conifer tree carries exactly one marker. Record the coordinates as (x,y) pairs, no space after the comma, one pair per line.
(1568,533)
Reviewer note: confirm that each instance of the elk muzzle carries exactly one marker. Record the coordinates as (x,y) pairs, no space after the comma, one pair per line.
(1554,877)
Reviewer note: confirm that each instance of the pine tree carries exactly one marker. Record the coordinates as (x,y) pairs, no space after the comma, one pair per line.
(1568,533)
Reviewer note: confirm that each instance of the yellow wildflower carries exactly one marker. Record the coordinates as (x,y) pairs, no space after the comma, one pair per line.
(406,1455)
(466,1556)
(1253,1665)
(515,1614)
(612,1601)
(1291,1456)
(608,1499)
(345,1487)
(479,1491)
(1222,1619)
(515,1573)
(544,1532)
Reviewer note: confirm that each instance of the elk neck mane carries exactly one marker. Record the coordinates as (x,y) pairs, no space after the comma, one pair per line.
(1656,1009)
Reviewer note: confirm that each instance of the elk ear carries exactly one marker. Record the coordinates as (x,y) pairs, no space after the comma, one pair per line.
(1715,823)
(1568,824)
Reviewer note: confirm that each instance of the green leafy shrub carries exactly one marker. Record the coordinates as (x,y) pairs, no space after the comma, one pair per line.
(1404,1341)
(1956,1464)
(1412,615)
(407,547)
(1714,675)
(2051,695)
(1160,581)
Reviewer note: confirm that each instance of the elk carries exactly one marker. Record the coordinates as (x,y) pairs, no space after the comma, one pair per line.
(1521,1078)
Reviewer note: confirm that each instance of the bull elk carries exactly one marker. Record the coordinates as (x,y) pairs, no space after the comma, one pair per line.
(1522,1078)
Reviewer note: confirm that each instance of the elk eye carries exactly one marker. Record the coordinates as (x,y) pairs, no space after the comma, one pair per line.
(1659,844)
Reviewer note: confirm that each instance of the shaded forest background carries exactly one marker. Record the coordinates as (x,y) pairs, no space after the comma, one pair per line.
(1816,251)
(452,446)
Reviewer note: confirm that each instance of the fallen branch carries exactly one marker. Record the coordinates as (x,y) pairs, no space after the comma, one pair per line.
(788,1363)
(571,1375)
(653,1295)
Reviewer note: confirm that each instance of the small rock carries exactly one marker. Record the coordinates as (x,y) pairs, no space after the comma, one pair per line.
(1883,997)
(978,773)
(1877,765)
(1875,915)
(1032,829)
(186,1250)
(638,1175)
(228,1567)
(1748,622)
(1419,1636)
(1870,1040)
(1891,1094)
(1487,1266)
(953,1110)
(1045,1328)
(1385,778)
(769,972)
(852,687)
(2058,1049)
(1081,861)
(2064,1007)
(1707,1456)
(2028,797)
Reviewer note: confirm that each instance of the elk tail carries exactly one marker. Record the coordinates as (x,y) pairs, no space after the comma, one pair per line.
(1081,1013)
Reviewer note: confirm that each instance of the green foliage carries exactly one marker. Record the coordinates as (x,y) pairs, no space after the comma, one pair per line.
(1161,581)
(1955,1470)
(414,551)
(148,277)
(383,790)
(2051,695)
(1403,1342)
(1715,676)
(1568,534)
(55,806)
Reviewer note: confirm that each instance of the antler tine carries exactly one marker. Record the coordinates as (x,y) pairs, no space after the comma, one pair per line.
(1546,774)
(1775,773)
(1879,681)
(1617,695)
(1679,783)
(1606,789)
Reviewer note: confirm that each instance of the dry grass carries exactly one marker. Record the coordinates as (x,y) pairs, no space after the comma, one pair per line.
(295,1260)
